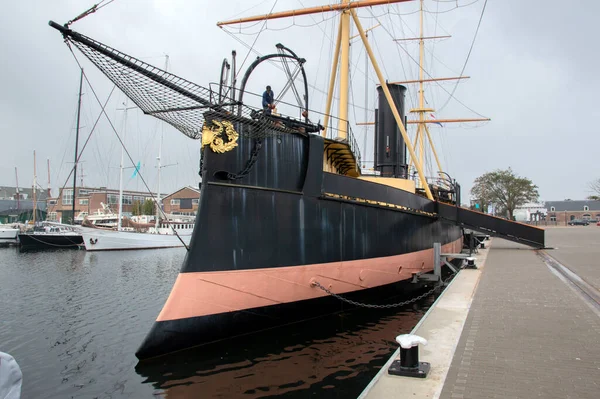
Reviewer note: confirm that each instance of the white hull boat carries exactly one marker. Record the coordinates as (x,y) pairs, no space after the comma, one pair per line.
(108,240)
(7,233)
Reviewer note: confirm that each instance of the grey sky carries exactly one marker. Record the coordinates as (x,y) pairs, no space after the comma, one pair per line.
(531,72)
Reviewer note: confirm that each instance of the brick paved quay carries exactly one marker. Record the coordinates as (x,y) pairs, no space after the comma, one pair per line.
(527,334)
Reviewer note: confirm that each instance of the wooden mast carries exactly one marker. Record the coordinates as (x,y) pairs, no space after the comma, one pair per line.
(348,10)
(422,121)
(421,96)
(344,72)
(336,57)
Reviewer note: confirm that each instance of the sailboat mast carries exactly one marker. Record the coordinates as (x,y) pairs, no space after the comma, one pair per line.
(156,222)
(49,190)
(158,188)
(34,184)
(344,71)
(421,94)
(76,147)
(18,194)
(119,221)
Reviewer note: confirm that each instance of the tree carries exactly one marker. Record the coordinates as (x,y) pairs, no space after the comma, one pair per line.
(148,207)
(136,208)
(595,187)
(504,190)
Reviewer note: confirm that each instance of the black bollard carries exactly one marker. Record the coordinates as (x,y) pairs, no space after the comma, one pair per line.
(409,358)
(409,365)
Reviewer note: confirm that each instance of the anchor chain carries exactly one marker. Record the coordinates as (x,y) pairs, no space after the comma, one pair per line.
(387,306)
(249,164)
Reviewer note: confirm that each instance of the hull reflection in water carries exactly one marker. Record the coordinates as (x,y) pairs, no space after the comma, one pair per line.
(331,356)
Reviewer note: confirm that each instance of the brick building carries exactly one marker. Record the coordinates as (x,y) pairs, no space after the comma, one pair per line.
(182,202)
(563,211)
(89,200)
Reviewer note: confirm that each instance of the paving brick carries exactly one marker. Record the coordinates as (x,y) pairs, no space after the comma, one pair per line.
(528,334)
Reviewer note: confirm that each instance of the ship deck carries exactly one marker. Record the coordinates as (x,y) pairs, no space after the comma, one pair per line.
(519,326)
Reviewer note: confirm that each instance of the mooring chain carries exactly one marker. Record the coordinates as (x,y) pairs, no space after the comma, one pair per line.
(387,306)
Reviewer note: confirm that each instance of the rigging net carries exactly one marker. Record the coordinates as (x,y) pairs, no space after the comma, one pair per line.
(183,104)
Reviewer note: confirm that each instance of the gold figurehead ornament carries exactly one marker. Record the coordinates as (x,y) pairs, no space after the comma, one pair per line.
(212,136)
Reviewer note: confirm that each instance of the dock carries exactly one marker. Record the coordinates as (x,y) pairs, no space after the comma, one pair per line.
(524,324)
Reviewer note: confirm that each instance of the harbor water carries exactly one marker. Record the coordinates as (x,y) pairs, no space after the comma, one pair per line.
(73,320)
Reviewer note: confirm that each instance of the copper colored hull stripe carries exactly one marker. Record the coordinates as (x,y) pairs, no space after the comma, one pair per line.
(206,293)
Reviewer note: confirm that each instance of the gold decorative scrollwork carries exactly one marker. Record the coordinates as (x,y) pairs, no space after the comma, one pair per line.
(212,136)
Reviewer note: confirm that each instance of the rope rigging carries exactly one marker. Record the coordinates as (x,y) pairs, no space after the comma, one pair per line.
(89,11)
(103,112)
(468,55)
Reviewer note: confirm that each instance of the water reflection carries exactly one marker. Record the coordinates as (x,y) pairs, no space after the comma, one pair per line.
(329,357)
(74,319)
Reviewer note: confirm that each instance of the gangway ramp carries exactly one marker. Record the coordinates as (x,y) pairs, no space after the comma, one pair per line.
(492,225)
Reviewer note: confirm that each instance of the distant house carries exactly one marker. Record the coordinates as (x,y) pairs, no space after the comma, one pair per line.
(563,211)
(530,212)
(20,208)
(88,200)
(182,202)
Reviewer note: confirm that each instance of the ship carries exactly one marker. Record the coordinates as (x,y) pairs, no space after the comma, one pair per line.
(289,226)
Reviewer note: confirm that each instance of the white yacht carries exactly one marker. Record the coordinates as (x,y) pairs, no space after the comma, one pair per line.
(8,232)
(169,234)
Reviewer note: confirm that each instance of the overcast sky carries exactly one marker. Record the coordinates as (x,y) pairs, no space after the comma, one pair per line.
(532,72)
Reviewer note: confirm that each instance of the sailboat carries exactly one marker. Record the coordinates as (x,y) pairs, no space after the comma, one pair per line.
(288,222)
(165,234)
(55,235)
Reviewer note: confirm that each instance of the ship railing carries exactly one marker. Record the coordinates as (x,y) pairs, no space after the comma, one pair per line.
(354,145)
(333,134)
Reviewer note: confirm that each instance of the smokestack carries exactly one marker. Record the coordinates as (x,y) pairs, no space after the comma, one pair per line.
(390,148)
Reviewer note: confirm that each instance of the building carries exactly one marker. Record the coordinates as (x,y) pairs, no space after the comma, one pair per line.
(563,211)
(15,208)
(89,200)
(182,202)
(530,212)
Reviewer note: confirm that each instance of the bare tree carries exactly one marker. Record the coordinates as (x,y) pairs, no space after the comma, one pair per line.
(595,188)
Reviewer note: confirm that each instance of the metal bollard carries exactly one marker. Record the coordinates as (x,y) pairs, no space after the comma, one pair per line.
(409,364)
(471,263)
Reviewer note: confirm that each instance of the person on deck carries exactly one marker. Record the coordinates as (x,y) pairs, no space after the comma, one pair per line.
(267,100)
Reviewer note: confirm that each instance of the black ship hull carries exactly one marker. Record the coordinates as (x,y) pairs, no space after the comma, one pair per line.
(35,241)
(262,241)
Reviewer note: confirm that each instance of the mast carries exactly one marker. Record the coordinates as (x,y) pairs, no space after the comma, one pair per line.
(344,71)
(158,188)
(18,194)
(349,10)
(76,147)
(422,122)
(49,190)
(421,94)
(34,185)
(158,199)
(120,215)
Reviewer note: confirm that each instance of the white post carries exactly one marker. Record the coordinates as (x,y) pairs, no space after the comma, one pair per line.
(158,188)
